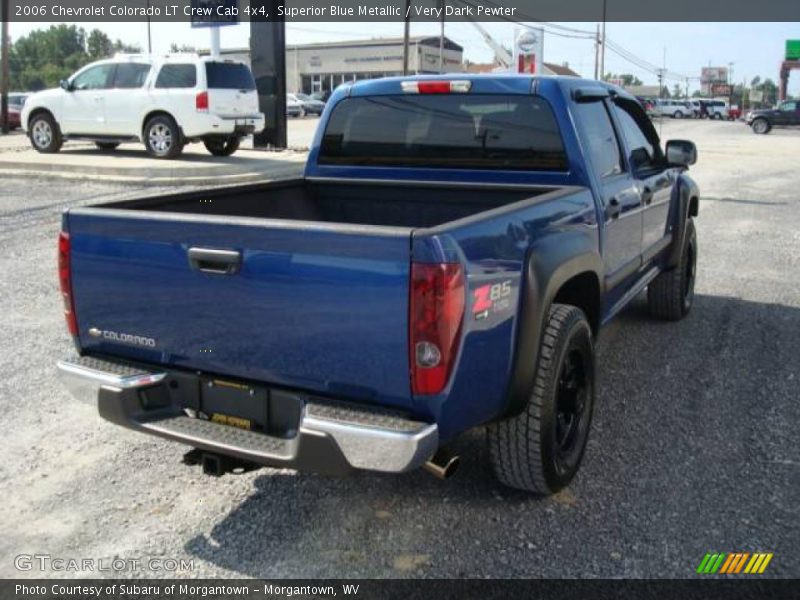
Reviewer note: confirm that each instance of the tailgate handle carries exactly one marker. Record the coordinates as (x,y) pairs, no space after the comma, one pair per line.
(216,262)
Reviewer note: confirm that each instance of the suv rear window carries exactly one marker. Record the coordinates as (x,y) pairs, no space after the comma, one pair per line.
(177,76)
(452,131)
(229,76)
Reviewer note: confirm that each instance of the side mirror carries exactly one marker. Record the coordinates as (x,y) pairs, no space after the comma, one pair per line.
(65,85)
(681,153)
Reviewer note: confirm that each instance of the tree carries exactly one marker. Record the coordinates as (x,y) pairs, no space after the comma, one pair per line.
(677,92)
(627,79)
(45,56)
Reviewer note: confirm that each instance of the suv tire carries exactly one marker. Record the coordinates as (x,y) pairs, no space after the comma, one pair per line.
(45,133)
(760,126)
(222,147)
(677,114)
(162,138)
(670,295)
(107,145)
(540,450)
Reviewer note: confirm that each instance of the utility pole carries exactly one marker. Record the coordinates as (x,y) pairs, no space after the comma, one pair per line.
(406,35)
(149,36)
(661,83)
(603,44)
(4,49)
(597,52)
(441,39)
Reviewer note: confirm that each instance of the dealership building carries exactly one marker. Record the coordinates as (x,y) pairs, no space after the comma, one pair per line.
(323,66)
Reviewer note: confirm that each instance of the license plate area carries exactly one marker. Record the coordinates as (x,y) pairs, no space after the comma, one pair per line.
(235,404)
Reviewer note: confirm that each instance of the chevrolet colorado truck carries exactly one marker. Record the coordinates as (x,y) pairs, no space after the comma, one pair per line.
(446,262)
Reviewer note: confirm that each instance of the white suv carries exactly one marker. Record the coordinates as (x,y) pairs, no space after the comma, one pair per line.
(164,102)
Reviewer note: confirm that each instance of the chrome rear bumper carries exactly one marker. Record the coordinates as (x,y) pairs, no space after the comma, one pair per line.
(331,436)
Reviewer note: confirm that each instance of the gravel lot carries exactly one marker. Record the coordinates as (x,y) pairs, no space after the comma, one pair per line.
(694,446)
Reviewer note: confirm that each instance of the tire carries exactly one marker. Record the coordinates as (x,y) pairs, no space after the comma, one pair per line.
(670,295)
(540,450)
(761,126)
(222,147)
(45,134)
(162,138)
(677,114)
(302,113)
(107,145)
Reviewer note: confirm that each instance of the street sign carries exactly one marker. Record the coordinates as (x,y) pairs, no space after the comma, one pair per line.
(214,13)
(721,89)
(792,49)
(756,95)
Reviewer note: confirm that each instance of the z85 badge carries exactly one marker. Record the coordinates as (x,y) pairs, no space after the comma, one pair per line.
(491,299)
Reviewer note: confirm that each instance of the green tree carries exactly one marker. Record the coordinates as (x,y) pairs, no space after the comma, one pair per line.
(627,79)
(45,56)
(99,45)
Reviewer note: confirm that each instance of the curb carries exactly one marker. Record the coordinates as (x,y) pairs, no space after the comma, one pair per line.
(164,176)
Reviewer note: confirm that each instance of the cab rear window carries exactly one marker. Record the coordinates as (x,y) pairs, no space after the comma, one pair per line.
(229,76)
(453,131)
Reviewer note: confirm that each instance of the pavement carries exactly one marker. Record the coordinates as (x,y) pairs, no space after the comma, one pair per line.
(693,447)
(129,163)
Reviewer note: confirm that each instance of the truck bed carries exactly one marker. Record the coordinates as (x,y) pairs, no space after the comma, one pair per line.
(394,204)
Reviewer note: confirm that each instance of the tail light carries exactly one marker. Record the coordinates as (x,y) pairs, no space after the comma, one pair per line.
(436,87)
(201,102)
(65,280)
(435,315)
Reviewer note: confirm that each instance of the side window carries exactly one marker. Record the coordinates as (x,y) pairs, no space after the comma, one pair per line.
(131,75)
(599,138)
(789,106)
(177,76)
(643,144)
(94,78)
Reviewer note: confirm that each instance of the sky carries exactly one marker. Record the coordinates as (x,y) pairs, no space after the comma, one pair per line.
(683,48)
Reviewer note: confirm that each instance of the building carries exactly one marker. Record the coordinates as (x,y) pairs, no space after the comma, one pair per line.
(549,69)
(323,66)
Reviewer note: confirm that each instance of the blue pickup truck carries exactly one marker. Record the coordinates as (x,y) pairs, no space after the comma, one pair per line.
(446,262)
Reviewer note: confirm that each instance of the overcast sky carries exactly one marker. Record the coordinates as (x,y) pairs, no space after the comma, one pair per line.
(753,48)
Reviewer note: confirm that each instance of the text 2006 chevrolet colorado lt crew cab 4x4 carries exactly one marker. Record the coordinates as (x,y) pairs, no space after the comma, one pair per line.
(445,263)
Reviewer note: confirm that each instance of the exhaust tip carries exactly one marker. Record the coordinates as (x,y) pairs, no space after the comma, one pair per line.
(442,465)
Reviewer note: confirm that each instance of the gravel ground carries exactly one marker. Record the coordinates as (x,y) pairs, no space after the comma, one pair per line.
(694,445)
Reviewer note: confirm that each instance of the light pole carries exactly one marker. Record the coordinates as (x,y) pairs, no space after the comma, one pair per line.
(406,35)
(149,37)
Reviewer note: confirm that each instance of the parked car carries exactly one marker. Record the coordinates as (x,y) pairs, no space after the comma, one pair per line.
(786,114)
(13,117)
(310,105)
(294,108)
(418,282)
(715,109)
(734,112)
(17,99)
(677,109)
(163,102)
(321,96)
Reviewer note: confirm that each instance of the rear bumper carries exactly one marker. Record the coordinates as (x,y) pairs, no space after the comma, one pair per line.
(209,124)
(331,436)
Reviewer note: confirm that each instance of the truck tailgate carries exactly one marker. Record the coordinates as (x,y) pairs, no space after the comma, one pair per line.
(314,306)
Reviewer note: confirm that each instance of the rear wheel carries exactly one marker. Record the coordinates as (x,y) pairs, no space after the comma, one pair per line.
(45,134)
(670,296)
(540,450)
(678,114)
(760,126)
(162,138)
(107,145)
(222,147)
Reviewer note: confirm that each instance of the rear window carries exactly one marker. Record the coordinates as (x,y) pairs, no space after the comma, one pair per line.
(445,131)
(177,76)
(229,76)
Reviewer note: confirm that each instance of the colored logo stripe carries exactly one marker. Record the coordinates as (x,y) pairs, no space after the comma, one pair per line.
(733,562)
